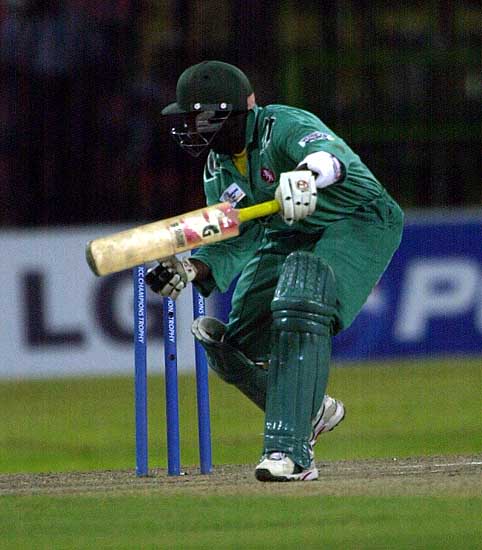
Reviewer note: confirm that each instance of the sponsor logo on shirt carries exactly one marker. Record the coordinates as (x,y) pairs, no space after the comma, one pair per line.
(232,194)
(268,175)
(315,136)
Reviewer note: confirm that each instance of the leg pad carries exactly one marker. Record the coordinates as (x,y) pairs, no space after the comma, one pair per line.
(303,309)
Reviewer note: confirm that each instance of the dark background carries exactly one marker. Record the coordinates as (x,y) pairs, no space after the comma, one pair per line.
(82,83)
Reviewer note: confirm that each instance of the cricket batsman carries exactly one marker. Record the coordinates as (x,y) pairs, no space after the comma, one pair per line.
(304,273)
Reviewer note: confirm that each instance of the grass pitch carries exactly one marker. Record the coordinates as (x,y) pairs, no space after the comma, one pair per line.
(394,411)
(225,522)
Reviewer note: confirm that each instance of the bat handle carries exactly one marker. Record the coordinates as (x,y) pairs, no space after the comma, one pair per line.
(258,210)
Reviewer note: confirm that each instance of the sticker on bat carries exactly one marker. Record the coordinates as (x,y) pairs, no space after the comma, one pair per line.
(207,226)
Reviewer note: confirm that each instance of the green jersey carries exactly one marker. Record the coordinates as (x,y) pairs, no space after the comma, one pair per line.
(279,137)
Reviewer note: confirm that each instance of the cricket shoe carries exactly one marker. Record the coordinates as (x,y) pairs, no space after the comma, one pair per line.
(330,414)
(277,466)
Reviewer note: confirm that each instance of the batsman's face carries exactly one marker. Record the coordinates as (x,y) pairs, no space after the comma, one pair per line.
(231,138)
(195,131)
(222,131)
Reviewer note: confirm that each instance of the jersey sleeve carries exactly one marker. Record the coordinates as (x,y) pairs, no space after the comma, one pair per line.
(305,134)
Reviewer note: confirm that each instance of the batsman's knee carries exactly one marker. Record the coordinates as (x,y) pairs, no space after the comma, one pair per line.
(208,330)
(228,362)
(210,333)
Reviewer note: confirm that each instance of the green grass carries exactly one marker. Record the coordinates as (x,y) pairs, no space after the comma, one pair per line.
(393,410)
(247,522)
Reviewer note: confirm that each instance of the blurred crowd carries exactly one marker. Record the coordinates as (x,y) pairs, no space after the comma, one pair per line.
(82,82)
(79,140)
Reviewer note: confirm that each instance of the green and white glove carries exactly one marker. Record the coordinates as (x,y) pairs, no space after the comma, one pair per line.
(296,194)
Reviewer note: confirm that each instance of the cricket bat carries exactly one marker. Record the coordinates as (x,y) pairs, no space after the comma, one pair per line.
(163,238)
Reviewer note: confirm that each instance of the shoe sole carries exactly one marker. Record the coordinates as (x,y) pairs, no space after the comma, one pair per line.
(263,474)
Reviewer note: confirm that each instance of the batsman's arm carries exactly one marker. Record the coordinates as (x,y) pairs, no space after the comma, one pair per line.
(203,271)
(226,259)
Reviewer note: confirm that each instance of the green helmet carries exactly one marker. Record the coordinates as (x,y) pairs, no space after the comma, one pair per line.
(207,94)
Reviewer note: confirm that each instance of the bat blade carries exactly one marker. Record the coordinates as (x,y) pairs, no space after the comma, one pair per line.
(160,239)
(157,240)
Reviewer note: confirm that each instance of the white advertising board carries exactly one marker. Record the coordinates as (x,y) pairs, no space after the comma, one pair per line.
(58,319)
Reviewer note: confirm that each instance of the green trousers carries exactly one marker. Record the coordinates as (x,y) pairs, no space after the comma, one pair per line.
(357,248)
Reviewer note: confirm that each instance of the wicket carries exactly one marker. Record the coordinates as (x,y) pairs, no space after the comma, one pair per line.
(171,382)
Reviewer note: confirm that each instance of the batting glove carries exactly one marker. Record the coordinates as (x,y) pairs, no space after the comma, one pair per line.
(296,194)
(170,276)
